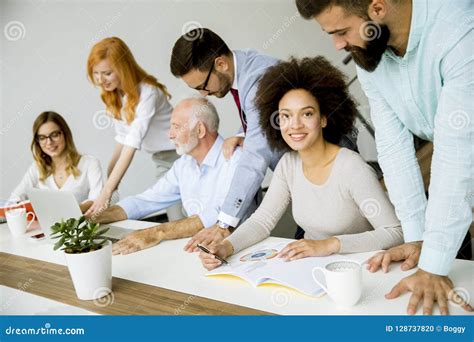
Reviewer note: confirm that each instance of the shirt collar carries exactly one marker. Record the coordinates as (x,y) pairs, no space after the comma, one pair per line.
(418,21)
(234,84)
(214,152)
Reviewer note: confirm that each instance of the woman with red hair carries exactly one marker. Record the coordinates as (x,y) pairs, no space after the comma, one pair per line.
(140,109)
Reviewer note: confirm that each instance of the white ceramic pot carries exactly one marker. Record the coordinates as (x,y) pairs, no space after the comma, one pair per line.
(91,272)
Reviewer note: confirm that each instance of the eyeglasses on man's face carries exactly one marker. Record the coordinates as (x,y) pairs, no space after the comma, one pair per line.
(203,87)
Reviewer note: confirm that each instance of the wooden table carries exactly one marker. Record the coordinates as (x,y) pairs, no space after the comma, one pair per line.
(128,297)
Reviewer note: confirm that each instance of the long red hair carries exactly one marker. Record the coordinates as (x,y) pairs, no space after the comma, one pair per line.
(129,73)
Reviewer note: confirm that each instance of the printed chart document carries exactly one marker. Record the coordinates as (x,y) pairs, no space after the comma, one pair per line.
(261,266)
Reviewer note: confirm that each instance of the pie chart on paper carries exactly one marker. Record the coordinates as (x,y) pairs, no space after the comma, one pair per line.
(263,254)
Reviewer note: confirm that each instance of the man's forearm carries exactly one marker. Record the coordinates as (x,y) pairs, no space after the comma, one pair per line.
(180,229)
(112,214)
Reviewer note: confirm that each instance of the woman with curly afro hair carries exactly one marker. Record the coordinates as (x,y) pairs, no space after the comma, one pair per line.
(336,198)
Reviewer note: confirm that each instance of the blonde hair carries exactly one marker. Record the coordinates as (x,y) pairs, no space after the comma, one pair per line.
(129,73)
(43,161)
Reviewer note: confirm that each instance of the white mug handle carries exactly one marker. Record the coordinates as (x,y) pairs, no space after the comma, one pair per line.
(32,220)
(316,280)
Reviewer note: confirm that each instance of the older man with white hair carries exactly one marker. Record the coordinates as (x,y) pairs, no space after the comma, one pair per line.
(200,179)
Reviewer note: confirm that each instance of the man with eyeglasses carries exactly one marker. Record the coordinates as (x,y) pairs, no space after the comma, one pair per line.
(205,63)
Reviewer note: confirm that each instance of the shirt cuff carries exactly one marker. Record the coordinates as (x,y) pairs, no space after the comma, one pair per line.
(120,139)
(129,140)
(130,207)
(230,220)
(236,243)
(133,140)
(347,244)
(435,261)
(413,230)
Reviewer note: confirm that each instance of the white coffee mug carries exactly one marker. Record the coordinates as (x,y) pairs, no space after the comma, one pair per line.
(343,281)
(17,220)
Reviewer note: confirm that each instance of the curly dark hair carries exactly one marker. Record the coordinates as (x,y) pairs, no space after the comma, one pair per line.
(322,80)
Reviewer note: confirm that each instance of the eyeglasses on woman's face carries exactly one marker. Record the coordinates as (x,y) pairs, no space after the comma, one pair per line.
(53,137)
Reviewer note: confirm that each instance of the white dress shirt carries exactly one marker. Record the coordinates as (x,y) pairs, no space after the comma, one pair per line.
(149,129)
(201,188)
(87,186)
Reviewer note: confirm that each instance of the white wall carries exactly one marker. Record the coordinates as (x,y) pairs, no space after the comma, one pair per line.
(45,44)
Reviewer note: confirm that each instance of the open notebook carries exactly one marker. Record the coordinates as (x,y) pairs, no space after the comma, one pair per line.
(261,266)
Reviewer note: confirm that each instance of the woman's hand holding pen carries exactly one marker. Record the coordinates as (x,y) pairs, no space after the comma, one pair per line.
(223,249)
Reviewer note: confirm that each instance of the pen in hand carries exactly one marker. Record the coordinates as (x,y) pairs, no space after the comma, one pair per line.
(205,250)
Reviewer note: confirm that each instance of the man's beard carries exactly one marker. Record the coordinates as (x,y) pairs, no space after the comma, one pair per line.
(226,85)
(368,58)
(193,141)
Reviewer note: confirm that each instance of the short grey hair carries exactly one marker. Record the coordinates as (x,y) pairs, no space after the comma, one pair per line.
(204,110)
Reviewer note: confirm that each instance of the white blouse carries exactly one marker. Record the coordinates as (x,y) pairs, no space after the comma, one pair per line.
(149,129)
(87,186)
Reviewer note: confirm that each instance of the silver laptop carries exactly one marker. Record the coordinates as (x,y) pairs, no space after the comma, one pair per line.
(51,206)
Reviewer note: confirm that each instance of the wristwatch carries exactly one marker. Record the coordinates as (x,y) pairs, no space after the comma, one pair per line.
(223,225)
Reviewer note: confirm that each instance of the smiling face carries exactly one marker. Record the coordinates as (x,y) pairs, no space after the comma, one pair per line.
(51,139)
(105,76)
(301,123)
(366,40)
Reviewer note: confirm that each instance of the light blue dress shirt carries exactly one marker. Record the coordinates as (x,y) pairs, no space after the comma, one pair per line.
(429,92)
(201,188)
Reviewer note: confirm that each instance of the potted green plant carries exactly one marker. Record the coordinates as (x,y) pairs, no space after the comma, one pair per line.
(88,256)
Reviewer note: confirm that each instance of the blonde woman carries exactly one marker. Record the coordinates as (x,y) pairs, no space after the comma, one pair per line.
(140,109)
(57,163)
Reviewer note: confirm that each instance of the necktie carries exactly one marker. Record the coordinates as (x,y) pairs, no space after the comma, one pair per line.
(243,119)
